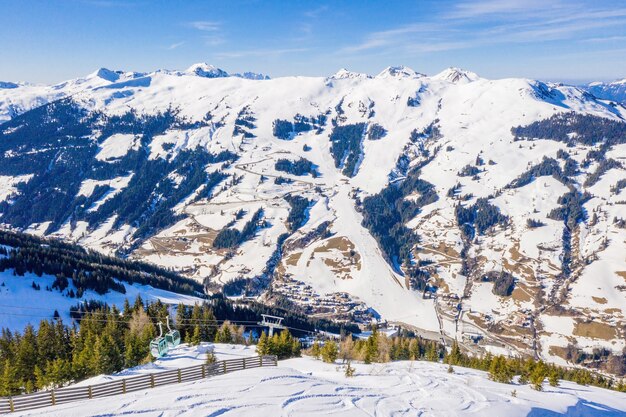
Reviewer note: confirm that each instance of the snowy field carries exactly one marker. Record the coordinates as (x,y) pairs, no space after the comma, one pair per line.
(307,387)
(21,305)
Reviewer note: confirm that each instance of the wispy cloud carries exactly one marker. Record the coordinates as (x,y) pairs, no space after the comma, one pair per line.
(259,52)
(605,39)
(316,12)
(205,25)
(392,36)
(499,8)
(213,40)
(211,31)
(490,22)
(175,45)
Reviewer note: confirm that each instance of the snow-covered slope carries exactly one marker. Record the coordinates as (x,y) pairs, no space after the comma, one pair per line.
(21,304)
(307,387)
(445,141)
(615,91)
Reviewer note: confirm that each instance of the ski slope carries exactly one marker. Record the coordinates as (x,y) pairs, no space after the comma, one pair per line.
(345,273)
(305,387)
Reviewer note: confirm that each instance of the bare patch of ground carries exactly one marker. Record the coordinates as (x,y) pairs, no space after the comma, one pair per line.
(595,329)
(599,300)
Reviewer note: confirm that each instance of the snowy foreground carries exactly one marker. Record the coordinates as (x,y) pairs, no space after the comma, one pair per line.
(307,387)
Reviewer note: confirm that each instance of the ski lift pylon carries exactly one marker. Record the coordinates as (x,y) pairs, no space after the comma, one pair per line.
(273,322)
(158,345)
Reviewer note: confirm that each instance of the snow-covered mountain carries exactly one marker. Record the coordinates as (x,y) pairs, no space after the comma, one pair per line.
(615,91)
(463,207)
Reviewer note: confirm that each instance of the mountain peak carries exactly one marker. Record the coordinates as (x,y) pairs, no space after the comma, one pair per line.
(7,85)
(456,75)
(205,70)
(345,74)
(400,72)
(106,74)
(252,76)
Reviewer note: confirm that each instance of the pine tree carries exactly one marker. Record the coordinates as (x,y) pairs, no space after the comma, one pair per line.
(316,350)
(553,378)
(26,356)
(431,352)
(224,334)
(196,337)
(538,375)
(58,372)
(329,352)
(208,323)
(182,322)
(454,357)
(107,355)
(9,383)
(134,352)
(262,345)
(500,371)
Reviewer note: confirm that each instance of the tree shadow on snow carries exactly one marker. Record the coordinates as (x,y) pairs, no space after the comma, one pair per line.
(581,409)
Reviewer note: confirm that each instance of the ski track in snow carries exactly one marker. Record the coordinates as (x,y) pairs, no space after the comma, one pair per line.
(308,387)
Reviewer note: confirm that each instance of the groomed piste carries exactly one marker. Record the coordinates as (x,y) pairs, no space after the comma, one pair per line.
(308,387)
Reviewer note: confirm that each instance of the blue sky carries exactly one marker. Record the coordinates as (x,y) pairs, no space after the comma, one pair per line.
(569,40)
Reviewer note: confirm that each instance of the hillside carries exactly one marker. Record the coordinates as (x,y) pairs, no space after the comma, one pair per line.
(45,278)
(308,387)
(460,206)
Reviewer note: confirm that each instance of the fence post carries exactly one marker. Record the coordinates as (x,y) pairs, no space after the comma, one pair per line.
(180,376)
(203,371)
(11,405)
(151,380)
(123,386)
(275,360)
(224,366)
(89,392)
(52,397)
(244,363)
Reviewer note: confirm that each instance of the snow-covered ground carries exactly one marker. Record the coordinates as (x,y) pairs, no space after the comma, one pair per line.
(347,270)
(20,304)
(182,356)
(307,387)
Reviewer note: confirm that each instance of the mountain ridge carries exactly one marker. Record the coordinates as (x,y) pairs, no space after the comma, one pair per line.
(452,204)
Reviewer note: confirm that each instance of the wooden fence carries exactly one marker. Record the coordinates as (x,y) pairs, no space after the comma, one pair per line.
(135,383)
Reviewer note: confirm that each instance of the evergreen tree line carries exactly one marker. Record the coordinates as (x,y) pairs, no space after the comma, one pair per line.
(378,348)
(286,130)
(588,129)
(244,123)
(298,214)
(281,344)
(619,186)
(54,354)
(503,282)
(478,217)
(104,340)
(346,147)
(89,270)
(385,215)
(376,132)
(547,167)
(300,167)
(229,237)
(51,143)
(249,311)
